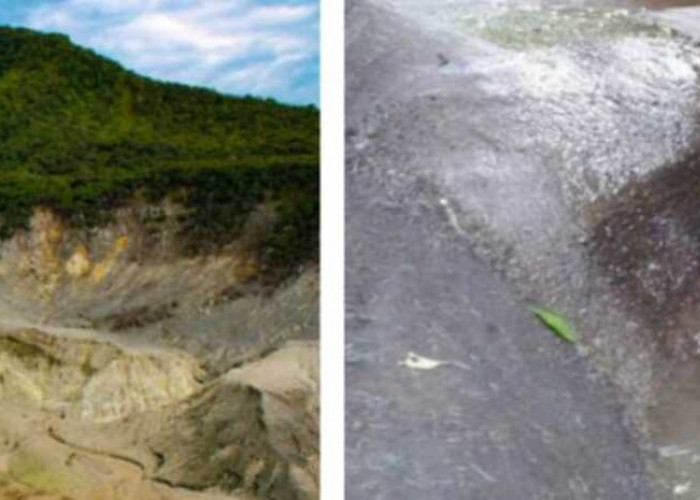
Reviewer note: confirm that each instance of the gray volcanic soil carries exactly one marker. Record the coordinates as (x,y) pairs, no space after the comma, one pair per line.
(507,154)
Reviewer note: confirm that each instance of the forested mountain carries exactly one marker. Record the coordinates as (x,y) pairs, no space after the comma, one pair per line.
(82,135)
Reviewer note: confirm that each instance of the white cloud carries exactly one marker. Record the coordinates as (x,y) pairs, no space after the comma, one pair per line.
(237,46)
(258,77)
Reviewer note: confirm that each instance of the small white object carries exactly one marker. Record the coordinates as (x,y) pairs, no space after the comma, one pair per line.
(681,489)
(416,362)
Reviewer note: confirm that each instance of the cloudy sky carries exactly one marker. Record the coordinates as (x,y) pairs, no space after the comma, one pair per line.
(260,47)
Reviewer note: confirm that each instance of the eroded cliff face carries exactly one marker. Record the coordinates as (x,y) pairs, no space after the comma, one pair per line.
(134,276)
(85,376)
(132,369)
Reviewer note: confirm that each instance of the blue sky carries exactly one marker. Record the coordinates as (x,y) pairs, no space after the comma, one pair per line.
(261,47)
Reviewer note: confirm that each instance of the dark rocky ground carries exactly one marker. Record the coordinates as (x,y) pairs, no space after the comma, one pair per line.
(493,157)
(526,417)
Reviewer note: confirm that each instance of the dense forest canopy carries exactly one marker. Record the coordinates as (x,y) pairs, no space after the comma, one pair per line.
(80,134)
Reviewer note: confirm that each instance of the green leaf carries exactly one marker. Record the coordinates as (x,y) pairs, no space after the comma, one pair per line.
(555,322)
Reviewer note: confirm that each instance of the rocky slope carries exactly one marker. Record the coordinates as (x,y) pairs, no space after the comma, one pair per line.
(550,146)
(159,318)
(85,417)
(129,370)
(133,277)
